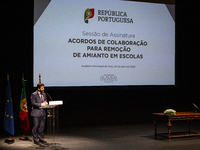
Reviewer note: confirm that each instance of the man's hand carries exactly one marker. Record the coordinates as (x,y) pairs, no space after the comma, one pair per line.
(44,104)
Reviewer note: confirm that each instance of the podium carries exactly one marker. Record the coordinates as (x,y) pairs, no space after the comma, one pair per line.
(53,117)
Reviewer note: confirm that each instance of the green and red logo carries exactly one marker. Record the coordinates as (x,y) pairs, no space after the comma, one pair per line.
(89,13)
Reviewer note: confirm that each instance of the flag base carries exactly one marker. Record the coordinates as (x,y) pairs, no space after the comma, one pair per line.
(23,138)
(9,140)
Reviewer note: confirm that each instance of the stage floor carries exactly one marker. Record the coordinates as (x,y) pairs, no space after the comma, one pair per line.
(139,136)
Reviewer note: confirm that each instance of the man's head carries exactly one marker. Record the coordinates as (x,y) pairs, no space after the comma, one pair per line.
(40,87)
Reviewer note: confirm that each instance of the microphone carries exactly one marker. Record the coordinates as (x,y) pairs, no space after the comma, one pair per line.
(49,96)
(195,107)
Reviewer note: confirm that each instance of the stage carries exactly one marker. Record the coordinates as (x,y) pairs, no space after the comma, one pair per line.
(138,136)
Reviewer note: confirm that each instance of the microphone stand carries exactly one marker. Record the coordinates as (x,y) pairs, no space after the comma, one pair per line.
(49,96)
(195,107)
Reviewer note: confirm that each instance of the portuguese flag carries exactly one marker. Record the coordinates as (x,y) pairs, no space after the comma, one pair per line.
(89,13)
(23,110)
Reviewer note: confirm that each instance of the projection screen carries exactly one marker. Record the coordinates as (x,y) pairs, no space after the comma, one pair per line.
(103,43)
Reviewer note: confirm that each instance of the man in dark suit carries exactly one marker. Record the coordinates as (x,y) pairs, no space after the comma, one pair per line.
(38,99)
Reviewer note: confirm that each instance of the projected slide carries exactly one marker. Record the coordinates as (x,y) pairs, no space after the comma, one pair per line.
(104,43)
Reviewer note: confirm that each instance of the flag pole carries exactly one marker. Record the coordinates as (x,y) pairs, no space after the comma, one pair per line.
(9,140)
(39,78)
(23,137)
(8,76)
(22,76)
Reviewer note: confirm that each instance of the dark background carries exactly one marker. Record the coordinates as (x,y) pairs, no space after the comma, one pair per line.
(100,105)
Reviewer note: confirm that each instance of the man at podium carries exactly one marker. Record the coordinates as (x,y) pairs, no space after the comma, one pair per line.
(38,100)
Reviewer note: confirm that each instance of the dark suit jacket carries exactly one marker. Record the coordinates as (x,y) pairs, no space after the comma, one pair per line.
(36,103)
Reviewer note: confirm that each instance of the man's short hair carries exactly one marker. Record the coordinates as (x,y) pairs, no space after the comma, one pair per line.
(39,85)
